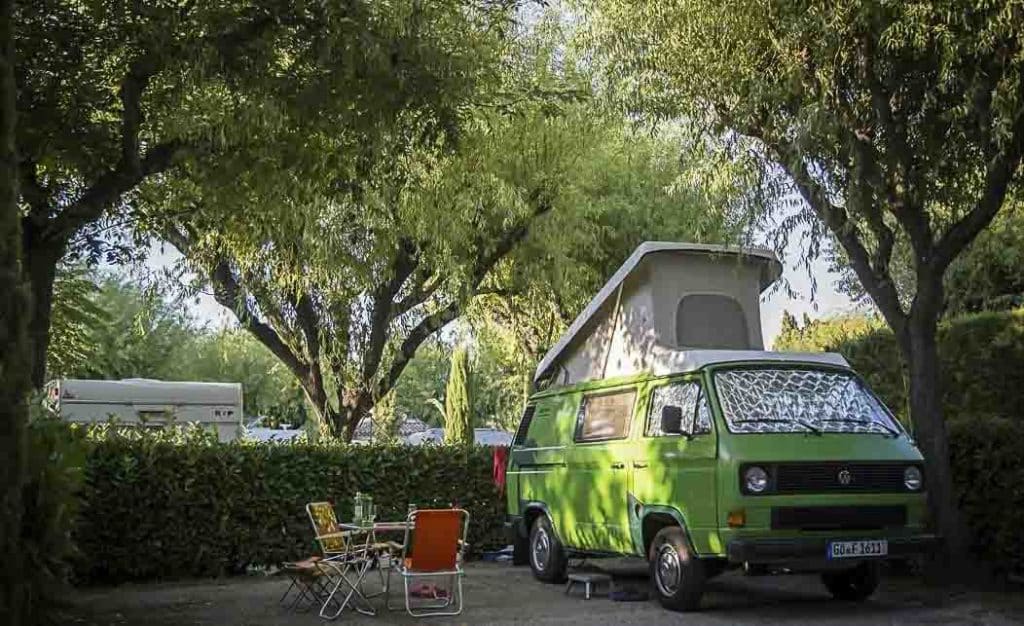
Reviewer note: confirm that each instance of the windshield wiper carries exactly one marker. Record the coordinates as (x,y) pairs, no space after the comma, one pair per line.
(809,426)
(799,422)
(891,431)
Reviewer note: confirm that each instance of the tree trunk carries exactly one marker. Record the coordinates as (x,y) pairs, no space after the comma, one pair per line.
(921,353)
(41,260)
(15,596)
(348,420)
(340,423)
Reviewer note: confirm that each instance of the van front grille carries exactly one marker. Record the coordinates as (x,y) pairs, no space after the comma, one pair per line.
(839,477)
(838,517)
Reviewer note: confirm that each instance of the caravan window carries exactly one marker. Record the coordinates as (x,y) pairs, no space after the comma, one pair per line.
(605,416)
(710,320)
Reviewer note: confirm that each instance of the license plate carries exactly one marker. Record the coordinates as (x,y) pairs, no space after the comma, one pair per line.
(857,549)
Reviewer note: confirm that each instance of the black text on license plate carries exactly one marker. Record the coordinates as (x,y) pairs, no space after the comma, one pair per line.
(858,549)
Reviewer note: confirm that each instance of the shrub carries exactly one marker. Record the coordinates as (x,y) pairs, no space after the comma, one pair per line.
(160,507)
(986,455)
(54,463)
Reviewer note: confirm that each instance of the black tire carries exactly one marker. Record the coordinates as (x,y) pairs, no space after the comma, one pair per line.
(677,576)
(521,550)
(855,584)
(546,553)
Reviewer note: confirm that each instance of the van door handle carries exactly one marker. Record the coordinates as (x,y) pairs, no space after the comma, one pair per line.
(640,464)
(618,465)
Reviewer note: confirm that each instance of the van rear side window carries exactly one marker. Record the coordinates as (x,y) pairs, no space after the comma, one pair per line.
(605,416)
(538,428)
(524,426)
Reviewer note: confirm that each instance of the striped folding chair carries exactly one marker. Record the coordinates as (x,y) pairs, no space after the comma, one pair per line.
(345,561)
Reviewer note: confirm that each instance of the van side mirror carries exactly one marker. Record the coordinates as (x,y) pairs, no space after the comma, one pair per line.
(671,420)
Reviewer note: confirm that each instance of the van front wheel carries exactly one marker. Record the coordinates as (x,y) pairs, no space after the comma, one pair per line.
(677,575)
(547,556)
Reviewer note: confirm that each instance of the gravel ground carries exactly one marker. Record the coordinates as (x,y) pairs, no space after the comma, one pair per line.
(498,593)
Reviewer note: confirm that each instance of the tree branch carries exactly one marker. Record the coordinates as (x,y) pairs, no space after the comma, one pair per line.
(424,286)
(229,293)
(435,321)
(402,266)
(33,191)
(999,173)
(876,281)
(309,323)
(109,188)
(898,153)
(427,327)
(132,167)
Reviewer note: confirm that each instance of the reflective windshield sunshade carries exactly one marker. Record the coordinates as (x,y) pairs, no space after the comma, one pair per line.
(799,400)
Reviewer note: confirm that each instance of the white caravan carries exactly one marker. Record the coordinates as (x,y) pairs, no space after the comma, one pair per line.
(150,403)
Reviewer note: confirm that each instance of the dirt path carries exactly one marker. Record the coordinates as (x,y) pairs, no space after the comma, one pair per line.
(501,594)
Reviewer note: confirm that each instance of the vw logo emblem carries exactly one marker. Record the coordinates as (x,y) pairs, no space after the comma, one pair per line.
(844,477)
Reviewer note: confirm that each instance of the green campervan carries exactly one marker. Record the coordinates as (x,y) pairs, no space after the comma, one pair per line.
(661,429)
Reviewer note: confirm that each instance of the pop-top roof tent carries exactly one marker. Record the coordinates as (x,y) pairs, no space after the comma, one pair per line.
(671,307)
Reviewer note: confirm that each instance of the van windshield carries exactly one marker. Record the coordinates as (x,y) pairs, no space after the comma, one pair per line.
(786,400)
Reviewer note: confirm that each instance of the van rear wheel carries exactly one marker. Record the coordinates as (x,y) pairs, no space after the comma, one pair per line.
(547,555)
(677,575)
(855,584)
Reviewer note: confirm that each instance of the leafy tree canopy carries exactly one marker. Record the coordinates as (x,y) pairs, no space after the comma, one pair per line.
(988,276)
(115,97)
(109,328)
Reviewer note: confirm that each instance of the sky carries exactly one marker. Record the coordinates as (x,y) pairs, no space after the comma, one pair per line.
(827,300)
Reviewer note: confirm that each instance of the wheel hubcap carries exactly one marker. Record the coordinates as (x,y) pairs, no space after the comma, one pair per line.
(667,570)
(541,549)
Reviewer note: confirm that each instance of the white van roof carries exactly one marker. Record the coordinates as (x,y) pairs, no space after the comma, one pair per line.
(683,361)
(694,260)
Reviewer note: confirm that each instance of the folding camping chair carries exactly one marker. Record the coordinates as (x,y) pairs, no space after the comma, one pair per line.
(438,539)
(345,560)
(308,586)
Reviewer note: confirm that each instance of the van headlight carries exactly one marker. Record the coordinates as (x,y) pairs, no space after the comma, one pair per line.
(755,479)
(912,478)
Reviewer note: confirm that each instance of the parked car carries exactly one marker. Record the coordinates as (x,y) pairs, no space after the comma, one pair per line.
(700,459)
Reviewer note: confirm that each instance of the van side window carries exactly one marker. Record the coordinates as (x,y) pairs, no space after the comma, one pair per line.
(524,425)
(605,416)
(702,424)
(539,428)
(684,395)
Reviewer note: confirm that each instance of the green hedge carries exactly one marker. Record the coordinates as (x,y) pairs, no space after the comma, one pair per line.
(155,508)
(982,359)
(986,454)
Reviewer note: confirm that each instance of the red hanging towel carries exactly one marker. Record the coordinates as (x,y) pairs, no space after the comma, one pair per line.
(500,461)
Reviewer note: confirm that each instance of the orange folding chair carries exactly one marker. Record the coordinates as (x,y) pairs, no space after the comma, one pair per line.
(435,540)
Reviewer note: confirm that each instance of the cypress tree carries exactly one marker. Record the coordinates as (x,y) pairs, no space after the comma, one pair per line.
(458,426)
